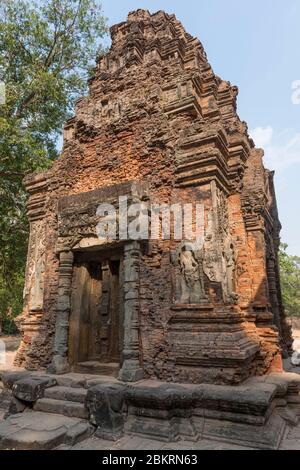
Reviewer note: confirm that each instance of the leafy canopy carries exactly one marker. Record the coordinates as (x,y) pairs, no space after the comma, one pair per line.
(290,281)
(47,49)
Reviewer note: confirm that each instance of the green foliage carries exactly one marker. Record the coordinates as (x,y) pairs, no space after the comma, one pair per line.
(290,281)
(47,49)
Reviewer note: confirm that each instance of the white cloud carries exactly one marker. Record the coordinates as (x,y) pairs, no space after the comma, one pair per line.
(281,150)
(262,136)
(296,93)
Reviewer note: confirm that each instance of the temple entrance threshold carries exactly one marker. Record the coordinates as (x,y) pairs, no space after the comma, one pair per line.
(96,320)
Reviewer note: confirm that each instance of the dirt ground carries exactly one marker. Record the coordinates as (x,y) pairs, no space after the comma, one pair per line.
(288,366)
(296,335)
(8,349)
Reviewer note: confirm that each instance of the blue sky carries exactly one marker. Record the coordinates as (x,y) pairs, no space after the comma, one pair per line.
(255,44)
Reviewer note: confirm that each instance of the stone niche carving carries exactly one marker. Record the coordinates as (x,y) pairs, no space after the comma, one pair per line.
(110,109)
(34,287)
(219,259)
(189,275)
(228,273)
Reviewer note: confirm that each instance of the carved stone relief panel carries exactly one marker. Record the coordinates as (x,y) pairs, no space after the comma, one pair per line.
(34,287)
(219,254)
(189,275)
(228,271)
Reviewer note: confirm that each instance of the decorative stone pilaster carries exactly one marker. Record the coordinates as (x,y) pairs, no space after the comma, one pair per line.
(60,363)
(30,322)
(131,370)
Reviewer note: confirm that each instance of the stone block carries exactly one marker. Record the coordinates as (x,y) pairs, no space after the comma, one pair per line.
(77,395)
(16,406)
(41,431)
(32,388)
(9,378)
(62,407)
(106,405)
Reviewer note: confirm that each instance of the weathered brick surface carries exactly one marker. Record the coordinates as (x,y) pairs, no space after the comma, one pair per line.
(157,113)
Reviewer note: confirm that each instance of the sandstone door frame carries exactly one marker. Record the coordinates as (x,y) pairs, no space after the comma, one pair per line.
(131,370)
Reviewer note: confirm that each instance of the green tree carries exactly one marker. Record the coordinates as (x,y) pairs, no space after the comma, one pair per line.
(290,281)
(47,49)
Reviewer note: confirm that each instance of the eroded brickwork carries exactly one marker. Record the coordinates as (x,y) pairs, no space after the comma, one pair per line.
(157,114)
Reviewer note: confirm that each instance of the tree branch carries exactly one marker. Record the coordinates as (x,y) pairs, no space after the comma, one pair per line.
(12,173)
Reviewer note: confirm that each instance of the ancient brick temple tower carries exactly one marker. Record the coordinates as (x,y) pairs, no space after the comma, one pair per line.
(158,125)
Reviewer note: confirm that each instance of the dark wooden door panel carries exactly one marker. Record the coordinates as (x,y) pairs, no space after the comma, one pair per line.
(96,320)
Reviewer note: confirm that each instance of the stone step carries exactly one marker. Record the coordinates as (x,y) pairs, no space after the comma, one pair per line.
(98,368)
(61,407)
(76,395)
(76,380)
(39,431)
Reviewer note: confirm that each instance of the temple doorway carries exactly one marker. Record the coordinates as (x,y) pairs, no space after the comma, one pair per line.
(96,319)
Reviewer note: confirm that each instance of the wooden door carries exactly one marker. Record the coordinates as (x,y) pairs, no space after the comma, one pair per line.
(96,320)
